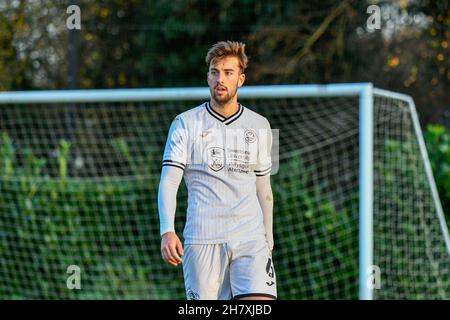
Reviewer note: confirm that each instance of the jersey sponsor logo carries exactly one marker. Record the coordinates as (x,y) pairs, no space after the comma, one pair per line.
(216,158)
(250,136)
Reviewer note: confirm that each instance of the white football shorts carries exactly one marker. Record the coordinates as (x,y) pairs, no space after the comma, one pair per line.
(229,270)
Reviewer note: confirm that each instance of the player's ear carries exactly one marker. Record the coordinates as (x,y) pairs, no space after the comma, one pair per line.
(241,79)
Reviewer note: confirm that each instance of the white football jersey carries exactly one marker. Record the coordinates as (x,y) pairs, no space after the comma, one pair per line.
(221,158)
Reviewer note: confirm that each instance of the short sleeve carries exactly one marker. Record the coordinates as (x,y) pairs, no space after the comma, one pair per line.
(175,152)
(264,160)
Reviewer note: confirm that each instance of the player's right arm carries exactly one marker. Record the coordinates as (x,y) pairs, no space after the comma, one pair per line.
(173,165)
(171,247)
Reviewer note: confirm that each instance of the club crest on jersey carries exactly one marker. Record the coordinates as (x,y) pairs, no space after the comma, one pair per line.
(216,158)
(250,136)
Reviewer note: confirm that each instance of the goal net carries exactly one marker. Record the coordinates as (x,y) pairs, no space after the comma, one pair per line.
(79,175)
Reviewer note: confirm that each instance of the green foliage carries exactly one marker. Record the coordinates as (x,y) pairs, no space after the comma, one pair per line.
(315,243)
(6,156)
(12,68)
(407,234)
(437,140)
(160,43)
(63,154)
(49,224)
(108,227)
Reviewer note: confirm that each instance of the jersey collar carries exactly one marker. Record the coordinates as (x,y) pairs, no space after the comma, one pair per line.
(221,118)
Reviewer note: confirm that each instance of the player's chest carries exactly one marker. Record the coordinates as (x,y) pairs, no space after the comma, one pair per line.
(232,148)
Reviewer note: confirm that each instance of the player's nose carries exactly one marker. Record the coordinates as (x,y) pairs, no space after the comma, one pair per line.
(220,78)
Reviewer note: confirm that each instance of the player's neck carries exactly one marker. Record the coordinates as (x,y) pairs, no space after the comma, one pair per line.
(227,109)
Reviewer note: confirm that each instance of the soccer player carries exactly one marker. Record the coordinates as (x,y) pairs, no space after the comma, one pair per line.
(223,151)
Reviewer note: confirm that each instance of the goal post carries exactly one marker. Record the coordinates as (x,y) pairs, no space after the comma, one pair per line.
(365,191)
(356,214)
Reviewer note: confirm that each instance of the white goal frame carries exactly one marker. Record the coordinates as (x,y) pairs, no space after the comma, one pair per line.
(365,92)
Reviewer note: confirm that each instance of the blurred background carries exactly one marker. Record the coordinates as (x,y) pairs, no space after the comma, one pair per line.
(143,43)
(161,43)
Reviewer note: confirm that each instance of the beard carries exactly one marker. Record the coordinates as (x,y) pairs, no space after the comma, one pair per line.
(223,98)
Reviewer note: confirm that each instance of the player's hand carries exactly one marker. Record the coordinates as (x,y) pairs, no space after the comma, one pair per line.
(171,248)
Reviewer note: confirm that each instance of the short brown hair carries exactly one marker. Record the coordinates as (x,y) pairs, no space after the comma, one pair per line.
(224,49)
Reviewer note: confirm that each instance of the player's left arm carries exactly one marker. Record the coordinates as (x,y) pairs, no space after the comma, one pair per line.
(263,187)
(265,198)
